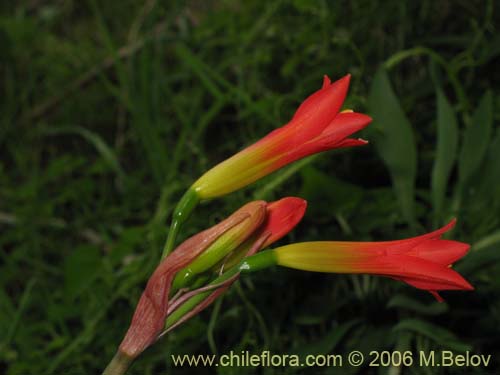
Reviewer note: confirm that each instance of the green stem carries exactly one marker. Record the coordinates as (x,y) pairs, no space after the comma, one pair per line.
(181,213)
(198,298)
(118,365)
(172,235)
(259,261)
(254,263)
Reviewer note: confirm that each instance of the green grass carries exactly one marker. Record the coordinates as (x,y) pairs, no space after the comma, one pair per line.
(110,110)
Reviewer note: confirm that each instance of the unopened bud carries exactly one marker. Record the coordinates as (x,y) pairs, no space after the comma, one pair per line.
(151,311)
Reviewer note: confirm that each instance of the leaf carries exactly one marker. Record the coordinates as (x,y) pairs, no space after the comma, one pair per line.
(479,260)
(476,139)
(210,78)
(129,239)
(328,194)
(403,302)
(395,142)
(489,181)
(329,342)
(23,304)
(99,144)
(436,333)
(446,150)
(81,267)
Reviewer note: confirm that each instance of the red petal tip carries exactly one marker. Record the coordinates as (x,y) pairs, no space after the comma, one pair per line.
(436,295)
(362,118)
(326,81)
(447,227)
(351,142)
(463,248)
(438,232)
(283,216)
(347,77)
(467,286)
(298,202)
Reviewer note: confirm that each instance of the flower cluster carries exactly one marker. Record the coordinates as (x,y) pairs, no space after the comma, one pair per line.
(199,270)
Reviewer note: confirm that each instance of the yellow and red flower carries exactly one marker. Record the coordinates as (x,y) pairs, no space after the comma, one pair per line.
(423,262)
(316,126)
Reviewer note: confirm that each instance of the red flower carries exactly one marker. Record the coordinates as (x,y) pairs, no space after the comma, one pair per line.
(423,262)
(316,126)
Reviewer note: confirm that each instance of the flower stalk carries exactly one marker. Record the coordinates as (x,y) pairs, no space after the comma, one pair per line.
(257,262)
(181,213)
(119,364)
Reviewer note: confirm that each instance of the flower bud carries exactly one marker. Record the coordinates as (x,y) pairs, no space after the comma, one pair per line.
(226,243)
(151,311)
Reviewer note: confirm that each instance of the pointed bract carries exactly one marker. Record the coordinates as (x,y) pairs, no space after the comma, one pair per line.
(151,311)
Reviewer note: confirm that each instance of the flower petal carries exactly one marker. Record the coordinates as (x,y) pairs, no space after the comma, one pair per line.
(319,109)
(444,252)
(326,82)
(344,125)
(417,272)
(404,245)
(350,142)
(282,217)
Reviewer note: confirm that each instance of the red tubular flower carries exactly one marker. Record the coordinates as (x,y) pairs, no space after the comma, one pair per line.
(423,262)
(316,126)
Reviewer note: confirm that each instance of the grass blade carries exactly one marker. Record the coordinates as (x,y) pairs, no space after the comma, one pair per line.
(446,150)
(394,140)
(440,335)
(476,139)
(99,144)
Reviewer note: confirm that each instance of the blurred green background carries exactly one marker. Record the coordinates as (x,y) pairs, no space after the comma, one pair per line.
(110,110)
